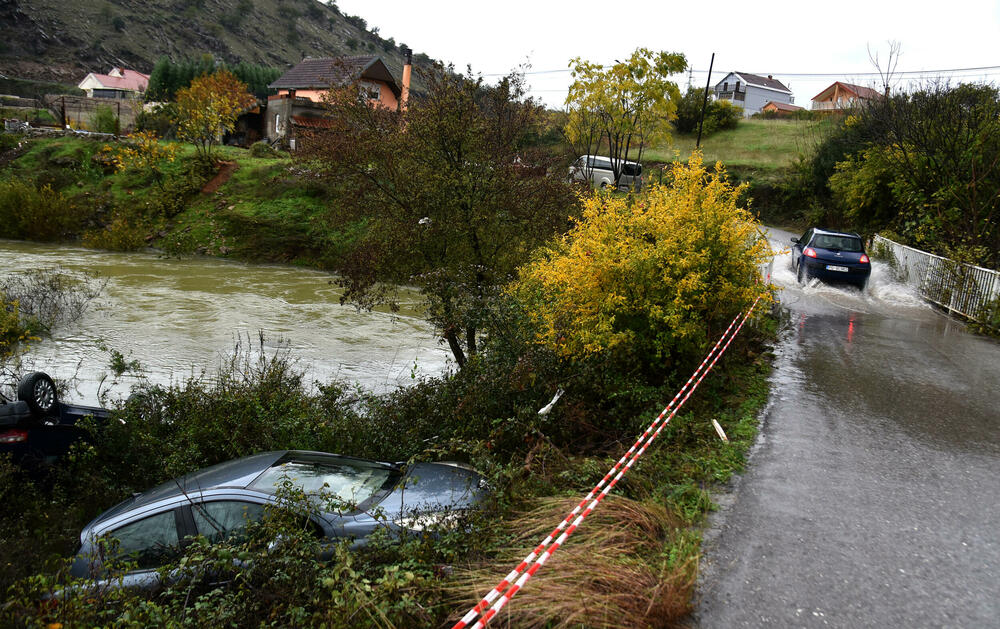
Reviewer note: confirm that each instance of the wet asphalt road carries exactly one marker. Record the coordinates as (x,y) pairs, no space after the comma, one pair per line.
(872,498)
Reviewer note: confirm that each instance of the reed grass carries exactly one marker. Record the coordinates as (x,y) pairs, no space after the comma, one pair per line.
(614,571)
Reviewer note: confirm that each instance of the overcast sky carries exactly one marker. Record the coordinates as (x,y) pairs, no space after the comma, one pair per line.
(779,37)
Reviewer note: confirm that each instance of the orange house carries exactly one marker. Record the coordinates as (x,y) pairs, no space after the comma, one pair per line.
(781,109)
(299,101)
(841,96)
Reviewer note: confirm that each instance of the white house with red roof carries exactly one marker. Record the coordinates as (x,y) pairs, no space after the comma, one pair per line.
(118,83)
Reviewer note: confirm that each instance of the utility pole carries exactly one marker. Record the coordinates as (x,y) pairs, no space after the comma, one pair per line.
(704,103)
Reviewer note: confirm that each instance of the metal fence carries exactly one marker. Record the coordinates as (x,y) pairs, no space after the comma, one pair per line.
(971,291)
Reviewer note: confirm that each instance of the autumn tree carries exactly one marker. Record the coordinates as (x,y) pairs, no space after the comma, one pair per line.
(647,283)
(624,106)
(208,109)
(447,196)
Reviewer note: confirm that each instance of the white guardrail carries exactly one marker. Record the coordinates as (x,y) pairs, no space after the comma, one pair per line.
(971,291)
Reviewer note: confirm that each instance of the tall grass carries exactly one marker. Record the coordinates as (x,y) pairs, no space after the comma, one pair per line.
(760,143)
(613,573)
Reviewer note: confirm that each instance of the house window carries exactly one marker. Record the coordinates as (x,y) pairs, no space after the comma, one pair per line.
(277,124)
(725,86)
(370,90)
(737,88)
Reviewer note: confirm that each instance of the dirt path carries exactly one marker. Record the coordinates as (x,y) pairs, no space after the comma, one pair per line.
(226,170)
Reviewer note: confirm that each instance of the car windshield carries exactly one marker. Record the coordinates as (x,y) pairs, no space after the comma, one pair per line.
(842,243)
(350,480)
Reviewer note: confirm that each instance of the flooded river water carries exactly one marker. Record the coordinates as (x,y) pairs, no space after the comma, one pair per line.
(178,317)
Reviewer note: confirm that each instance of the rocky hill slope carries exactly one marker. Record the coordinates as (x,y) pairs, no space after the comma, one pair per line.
(56,40)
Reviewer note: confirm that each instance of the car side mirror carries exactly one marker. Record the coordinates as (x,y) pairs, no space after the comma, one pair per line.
(795,240)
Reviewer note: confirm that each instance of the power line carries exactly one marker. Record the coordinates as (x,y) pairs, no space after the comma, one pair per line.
(802,74)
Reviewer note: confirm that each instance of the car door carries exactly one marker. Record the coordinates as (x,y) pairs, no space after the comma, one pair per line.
(148,543)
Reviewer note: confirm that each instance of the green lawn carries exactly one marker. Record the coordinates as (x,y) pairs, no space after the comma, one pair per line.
(766,144)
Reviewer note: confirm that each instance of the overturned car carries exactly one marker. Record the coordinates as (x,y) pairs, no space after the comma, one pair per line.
(38,428)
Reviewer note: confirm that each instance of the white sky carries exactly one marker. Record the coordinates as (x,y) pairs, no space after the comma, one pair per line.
(778,37)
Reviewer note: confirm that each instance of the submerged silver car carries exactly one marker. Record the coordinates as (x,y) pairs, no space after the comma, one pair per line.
(150,529)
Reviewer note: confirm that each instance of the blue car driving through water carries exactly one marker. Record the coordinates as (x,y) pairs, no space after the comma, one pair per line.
(831,256)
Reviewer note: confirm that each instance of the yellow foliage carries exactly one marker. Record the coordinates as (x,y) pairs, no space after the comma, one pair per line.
(143,152)
(653,276)
(15,333)
(208,109)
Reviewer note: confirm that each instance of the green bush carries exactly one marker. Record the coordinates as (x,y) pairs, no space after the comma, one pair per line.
(125,232)
(160,120)
(14,330)
(31,213)
(263,149)
(9,141)
(719,114)
(104,120)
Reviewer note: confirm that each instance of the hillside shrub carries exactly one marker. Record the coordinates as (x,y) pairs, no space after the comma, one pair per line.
(125,232)
(104,120)
(719,114)
(33,213)
(159,120)
(263,149)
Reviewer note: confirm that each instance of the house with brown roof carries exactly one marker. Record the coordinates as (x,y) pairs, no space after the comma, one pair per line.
(841,96)
(781,109)
(299,101)
(752,91)
(117,83)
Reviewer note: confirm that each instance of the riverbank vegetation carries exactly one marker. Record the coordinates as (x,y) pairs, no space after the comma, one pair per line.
(486,413)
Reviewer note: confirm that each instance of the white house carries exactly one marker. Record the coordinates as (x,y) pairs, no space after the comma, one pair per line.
(752,91)
(118,83)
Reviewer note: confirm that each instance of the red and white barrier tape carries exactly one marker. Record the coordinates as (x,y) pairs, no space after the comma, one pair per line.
(519,573)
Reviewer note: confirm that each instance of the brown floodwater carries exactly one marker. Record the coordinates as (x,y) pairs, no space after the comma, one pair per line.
(180,317)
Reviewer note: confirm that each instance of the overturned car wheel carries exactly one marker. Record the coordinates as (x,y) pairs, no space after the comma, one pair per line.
(38,391)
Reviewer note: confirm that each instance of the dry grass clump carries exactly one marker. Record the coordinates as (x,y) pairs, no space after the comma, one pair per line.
(611,572)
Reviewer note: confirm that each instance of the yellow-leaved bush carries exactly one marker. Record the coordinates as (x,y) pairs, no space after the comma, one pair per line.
(653,277)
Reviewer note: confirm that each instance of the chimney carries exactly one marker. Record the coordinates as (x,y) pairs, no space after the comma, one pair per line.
(407,70)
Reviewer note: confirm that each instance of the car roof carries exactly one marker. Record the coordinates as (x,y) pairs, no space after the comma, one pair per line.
(608,158)
(236,473)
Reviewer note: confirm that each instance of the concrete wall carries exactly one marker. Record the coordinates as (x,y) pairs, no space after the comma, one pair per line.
(80,110)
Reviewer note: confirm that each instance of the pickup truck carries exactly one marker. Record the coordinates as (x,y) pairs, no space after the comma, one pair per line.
(37,428)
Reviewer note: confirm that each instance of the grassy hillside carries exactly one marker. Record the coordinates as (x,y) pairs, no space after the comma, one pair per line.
(756,143)
(48,40)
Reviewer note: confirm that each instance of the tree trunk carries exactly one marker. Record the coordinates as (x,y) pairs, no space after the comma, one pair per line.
(470,339)
(456,347)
